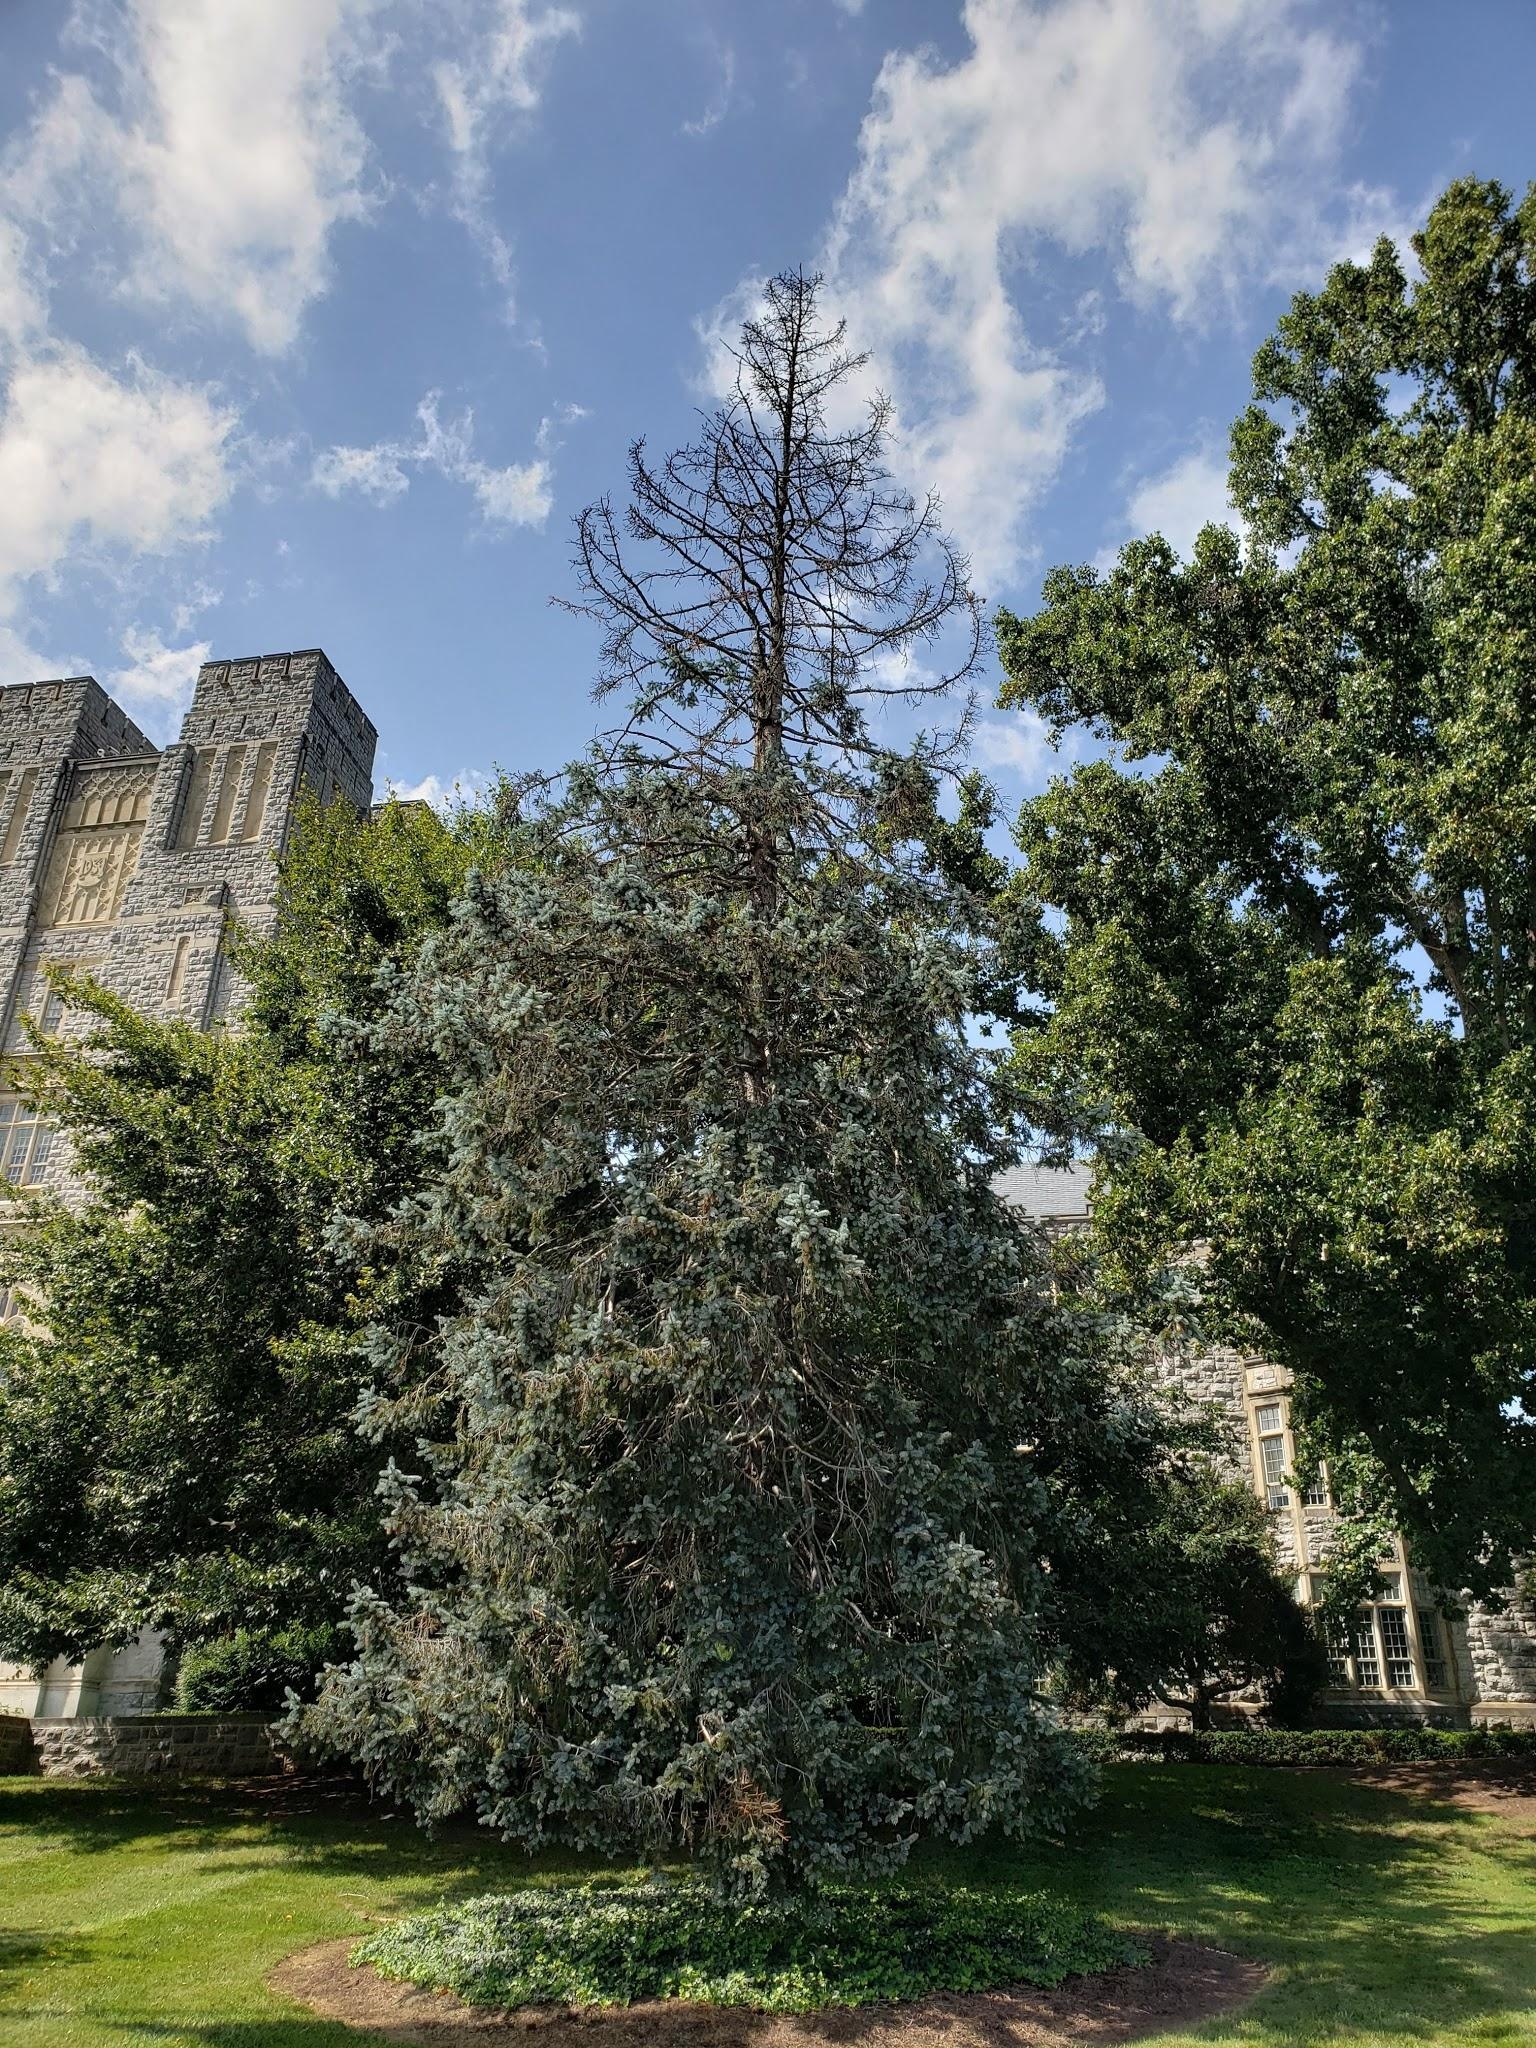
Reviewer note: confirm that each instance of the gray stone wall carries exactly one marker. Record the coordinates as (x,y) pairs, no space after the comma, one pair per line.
(1500,1647)
(156,1745)
(129,863)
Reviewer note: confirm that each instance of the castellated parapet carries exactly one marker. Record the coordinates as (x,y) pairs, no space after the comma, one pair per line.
(129,862)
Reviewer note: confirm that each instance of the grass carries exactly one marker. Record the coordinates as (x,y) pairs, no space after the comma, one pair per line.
(1392,1921)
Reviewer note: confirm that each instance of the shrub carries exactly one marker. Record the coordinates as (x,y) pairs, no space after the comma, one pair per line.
(1308,1746)
(613,1943)
(251,1672)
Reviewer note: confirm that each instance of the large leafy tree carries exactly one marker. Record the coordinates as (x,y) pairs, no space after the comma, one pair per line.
(176,1447)
(1284,936)
(761,1479)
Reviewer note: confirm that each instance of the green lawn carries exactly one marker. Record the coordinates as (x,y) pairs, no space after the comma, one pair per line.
(133,1917)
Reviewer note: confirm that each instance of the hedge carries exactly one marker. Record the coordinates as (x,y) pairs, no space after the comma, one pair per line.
(1290,1747)
(250,1672)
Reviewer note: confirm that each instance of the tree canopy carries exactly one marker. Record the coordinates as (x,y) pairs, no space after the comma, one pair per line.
(1283,938)
(176,1445)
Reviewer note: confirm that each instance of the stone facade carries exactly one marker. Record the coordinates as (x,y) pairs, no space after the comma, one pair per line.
(130,862)
(1413,1655)
(155,1745)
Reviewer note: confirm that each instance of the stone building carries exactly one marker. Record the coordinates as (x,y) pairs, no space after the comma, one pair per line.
(1404,1660)
(129,862)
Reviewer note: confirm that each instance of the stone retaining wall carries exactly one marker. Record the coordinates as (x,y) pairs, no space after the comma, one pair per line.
(156,1745)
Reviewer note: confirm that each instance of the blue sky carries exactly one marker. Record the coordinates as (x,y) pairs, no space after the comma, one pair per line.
(319,319)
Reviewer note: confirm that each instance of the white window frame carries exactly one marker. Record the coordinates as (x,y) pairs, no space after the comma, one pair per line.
(23,1165)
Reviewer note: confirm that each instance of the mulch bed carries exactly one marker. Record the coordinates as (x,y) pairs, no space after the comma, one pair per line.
(1182,1985)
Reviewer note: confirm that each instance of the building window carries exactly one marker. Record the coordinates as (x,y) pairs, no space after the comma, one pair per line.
(26,1141)
(1336,1644)
(1393,1624)
(1270,1422)
(1367,1663)
(1430,1642)
(1277,1459)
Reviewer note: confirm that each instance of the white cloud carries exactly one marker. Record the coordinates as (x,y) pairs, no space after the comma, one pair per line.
(521,494)
(374,473)
(21,305)
(213,148)
(208,157)
(1179,500)
(200,598)
(1185,139)
(203,154)
(1019,745)
(20,661)
(158,680)
(241,152)
(440,794)
(102,465)
(501,80)
(719,102)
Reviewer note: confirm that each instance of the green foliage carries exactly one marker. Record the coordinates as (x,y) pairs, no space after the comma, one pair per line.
(1278,939)
(1217,1616)
(176,1445)
(1294,1748)
(613,1944)
(248,1673)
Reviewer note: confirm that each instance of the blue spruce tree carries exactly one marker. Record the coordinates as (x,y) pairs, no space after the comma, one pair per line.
(762,1479)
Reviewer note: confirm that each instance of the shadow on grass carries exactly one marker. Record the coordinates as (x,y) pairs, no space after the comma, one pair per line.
(1385,1914)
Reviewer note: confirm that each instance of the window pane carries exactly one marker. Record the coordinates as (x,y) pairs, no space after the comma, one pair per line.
(1394,1642)
(1269,1419)
(1337,1643)
(1273,1449)
(1367,1664)
(25,1142)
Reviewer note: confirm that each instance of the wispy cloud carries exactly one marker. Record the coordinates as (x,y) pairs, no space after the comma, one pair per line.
(203,156)
(157,681)
(498,81)
(520,494)
(97,463)
(1019,746)
(719,102)
(1185,141)
(441,793)
(1178,501)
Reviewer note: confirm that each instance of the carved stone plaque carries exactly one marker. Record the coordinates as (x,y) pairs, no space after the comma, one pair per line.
(97,848)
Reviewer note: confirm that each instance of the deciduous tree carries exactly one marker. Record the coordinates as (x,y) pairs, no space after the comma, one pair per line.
(1284,937)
